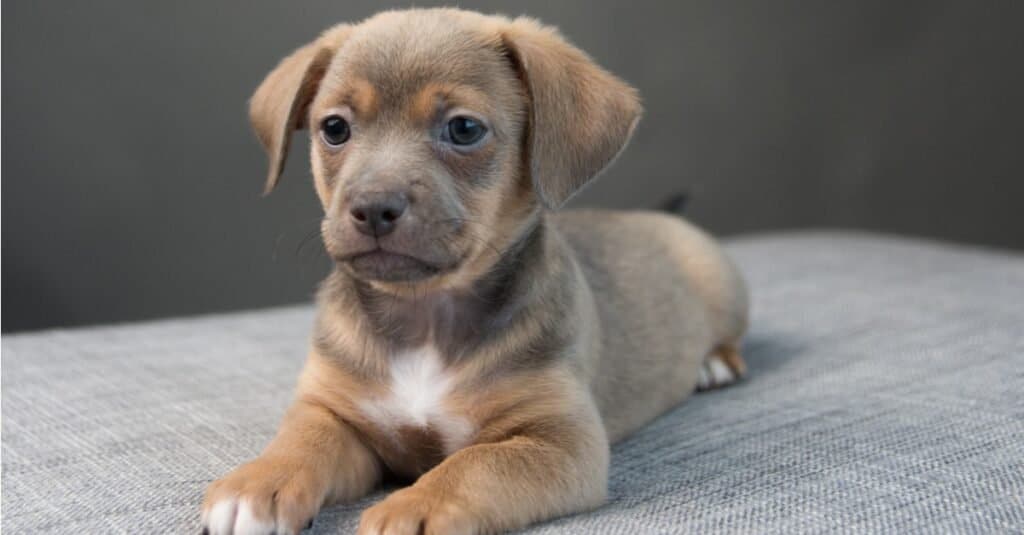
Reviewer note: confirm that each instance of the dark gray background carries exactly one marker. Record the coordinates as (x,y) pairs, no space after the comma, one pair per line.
(131,179)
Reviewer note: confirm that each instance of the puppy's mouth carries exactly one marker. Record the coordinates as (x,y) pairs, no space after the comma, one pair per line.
(388,266)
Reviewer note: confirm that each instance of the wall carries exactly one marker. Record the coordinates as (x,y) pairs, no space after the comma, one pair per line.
(131,178)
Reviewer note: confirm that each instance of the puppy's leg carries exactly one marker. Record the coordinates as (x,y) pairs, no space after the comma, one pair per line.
(722,367)
(543,470)
(314,459)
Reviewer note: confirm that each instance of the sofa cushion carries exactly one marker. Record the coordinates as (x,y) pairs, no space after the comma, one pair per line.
(885,394)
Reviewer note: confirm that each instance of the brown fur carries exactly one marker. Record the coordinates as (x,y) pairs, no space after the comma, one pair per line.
(730,355)
(555,334)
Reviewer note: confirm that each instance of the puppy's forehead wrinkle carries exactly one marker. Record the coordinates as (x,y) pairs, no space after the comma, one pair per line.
(400,54)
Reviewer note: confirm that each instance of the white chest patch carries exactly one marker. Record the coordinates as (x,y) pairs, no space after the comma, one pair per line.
(415,397)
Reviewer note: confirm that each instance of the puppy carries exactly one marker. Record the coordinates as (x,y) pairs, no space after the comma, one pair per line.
(470,339)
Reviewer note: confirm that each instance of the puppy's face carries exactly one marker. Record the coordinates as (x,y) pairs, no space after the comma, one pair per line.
(438,135)
(417,135)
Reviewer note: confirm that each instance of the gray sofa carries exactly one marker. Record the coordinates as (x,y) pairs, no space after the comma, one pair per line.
(886,394)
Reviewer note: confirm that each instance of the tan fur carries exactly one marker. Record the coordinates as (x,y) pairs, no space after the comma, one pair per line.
(730,354)
(363,100)
(536,339)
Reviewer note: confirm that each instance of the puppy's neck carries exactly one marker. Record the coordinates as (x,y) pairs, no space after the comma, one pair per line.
(455,321)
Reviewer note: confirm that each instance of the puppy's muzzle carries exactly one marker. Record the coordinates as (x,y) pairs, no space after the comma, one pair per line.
(377,214)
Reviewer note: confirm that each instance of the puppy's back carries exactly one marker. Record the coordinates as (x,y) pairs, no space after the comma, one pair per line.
(666,296)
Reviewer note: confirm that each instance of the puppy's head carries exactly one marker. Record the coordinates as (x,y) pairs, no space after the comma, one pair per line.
(439,135)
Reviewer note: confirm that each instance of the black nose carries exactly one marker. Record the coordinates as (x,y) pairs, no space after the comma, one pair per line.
(377,214)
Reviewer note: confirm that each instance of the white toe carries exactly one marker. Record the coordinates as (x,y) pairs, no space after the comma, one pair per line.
(704,379)
(221,517)
(246,522)
(720,372)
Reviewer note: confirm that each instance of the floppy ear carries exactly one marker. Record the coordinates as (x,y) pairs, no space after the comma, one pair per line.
(581,116)
(280,104)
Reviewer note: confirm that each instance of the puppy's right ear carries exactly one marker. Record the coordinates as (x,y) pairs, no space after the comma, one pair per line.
(280,104)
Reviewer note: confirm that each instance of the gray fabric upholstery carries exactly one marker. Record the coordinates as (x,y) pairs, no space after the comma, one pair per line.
(885,395)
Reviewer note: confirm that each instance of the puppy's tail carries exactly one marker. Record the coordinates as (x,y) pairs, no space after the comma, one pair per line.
(675,205)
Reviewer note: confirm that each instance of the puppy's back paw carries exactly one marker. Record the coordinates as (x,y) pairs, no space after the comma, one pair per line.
(722,367)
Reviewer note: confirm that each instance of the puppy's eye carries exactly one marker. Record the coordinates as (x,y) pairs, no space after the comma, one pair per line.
(465,131)
(335,130)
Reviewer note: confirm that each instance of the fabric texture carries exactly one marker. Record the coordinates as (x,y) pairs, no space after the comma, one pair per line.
(884,395)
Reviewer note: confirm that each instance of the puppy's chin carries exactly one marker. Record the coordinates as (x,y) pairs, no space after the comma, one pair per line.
(386,266)
(397,259)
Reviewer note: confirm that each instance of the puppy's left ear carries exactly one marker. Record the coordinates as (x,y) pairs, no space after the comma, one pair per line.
(581,116)
(281,102)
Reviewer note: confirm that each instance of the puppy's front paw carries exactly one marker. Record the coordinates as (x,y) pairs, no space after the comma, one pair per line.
(413,511)
(261,498)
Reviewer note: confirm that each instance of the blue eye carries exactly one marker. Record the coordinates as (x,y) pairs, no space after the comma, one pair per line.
(335,130)
(465,131)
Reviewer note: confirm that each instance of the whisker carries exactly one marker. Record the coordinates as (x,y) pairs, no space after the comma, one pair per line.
(471,233)
(305,240)
(289,230)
